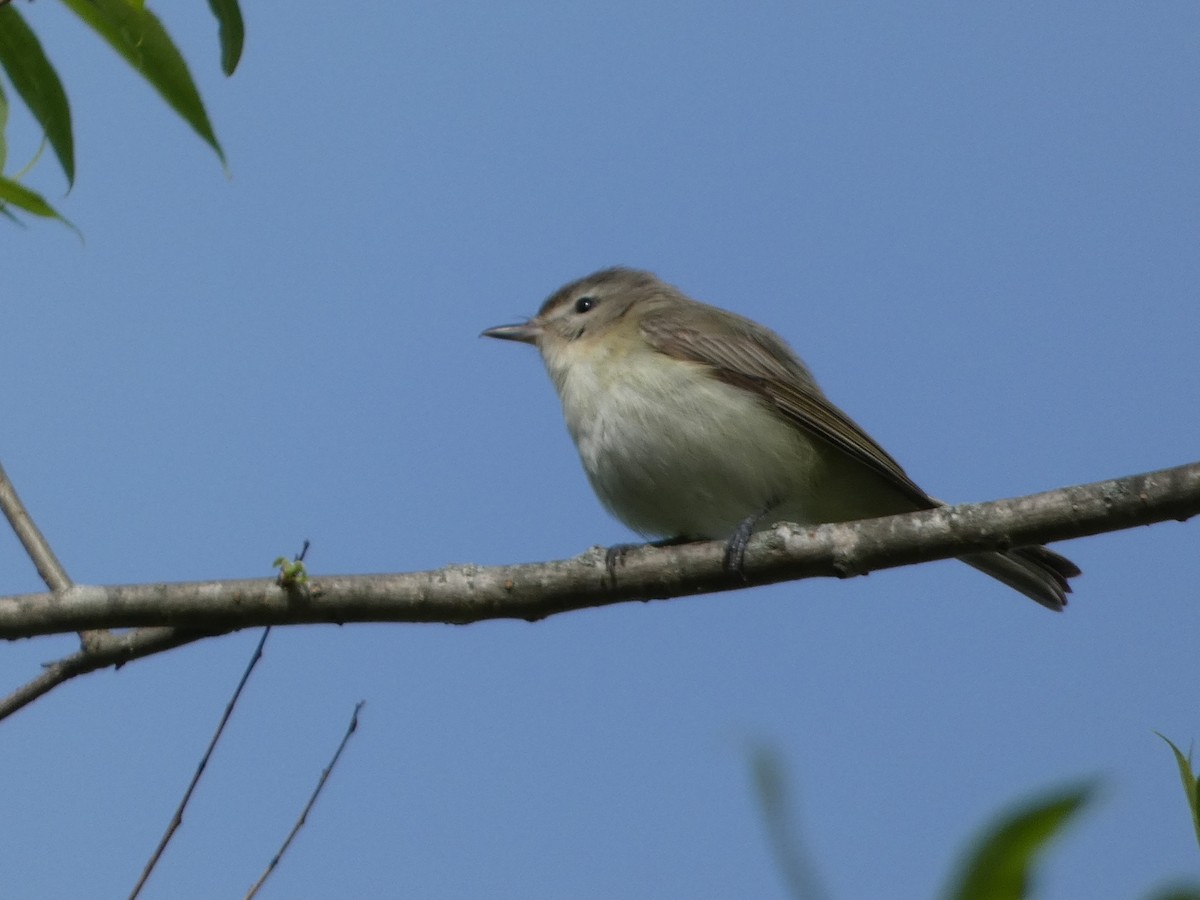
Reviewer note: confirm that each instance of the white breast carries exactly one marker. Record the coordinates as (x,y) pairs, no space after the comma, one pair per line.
(672,451)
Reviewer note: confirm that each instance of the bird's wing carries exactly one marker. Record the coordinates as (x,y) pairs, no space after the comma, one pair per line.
(750,357)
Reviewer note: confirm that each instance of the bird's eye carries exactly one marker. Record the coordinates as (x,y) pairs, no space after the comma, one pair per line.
(583,304)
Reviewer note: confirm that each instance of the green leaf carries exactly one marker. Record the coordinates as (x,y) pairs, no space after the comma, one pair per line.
(999,866)
(771,784)
(1191,786)
(136,34)
(14,194)
(231,30)
(37,83)
(3,126)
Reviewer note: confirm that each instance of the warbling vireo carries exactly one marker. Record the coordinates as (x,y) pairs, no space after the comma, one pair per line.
(695,423)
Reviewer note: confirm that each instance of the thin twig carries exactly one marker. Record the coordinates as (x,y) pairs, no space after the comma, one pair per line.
(31,537)
(177,818)
(106,649)
(308,806)
(40,551)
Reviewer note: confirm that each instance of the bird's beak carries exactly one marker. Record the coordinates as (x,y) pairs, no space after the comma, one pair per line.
(526,333)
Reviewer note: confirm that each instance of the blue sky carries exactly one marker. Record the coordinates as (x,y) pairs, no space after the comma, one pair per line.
(980,226)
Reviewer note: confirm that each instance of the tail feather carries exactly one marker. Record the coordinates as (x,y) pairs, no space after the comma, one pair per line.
(1036,572)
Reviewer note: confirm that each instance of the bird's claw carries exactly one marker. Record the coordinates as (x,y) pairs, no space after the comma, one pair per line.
(615,556)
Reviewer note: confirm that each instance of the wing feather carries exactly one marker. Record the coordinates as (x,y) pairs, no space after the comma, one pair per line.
(750,357)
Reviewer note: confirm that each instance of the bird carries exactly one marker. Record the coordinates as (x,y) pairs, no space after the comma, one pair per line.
(696,423)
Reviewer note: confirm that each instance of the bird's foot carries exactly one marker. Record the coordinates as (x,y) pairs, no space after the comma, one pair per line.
(735,547)
(615,555)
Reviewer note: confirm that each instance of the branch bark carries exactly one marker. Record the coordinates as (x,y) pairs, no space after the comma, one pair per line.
(467,593)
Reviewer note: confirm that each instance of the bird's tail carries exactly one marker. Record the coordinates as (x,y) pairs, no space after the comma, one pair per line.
(1036,572)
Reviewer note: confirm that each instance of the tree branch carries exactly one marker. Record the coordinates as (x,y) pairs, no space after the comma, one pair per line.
(102,651)
(31,537)
(468,593)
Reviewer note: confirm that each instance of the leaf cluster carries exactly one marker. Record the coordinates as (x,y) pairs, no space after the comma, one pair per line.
(138,37)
